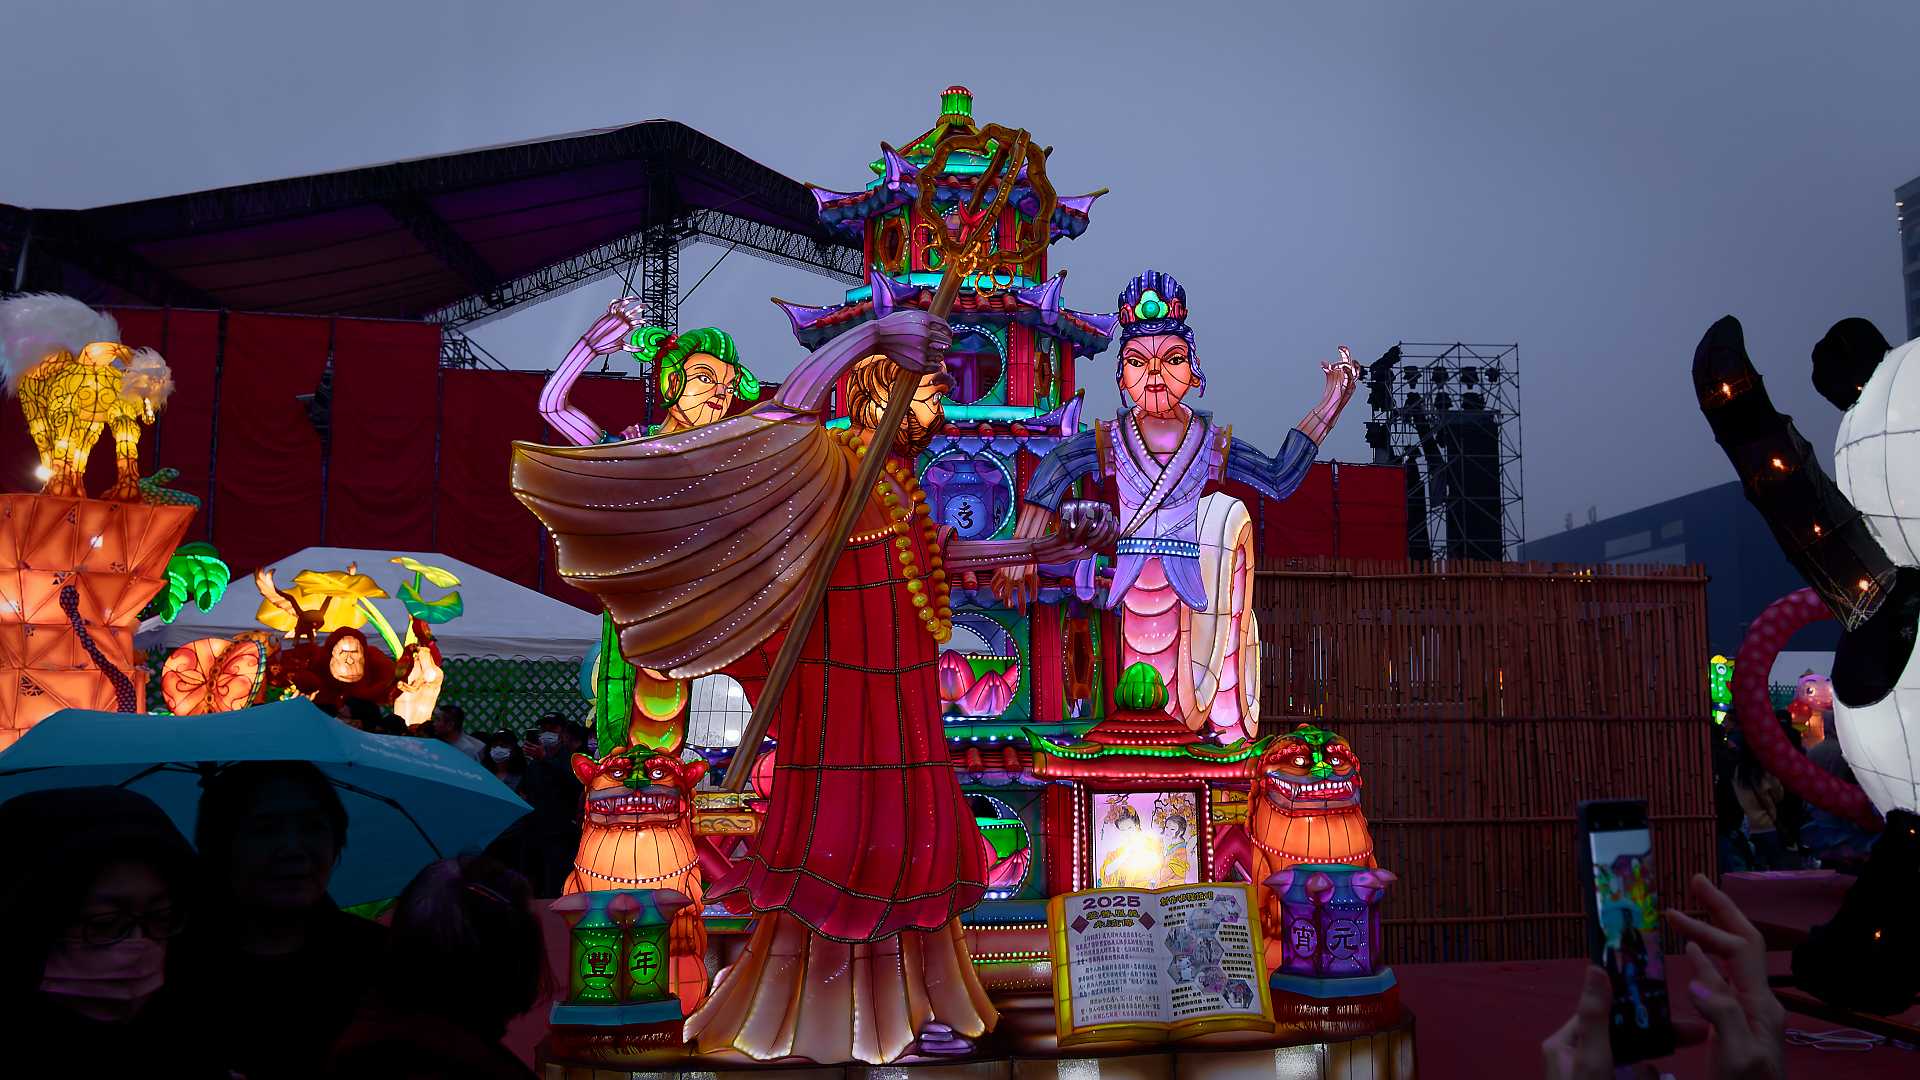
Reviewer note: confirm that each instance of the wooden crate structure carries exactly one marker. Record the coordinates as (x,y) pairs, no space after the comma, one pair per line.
(1485,700)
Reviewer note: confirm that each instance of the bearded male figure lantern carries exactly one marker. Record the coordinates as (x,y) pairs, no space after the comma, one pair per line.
(1182,574)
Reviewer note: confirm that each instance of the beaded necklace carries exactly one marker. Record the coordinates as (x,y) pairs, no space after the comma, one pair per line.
(907,505)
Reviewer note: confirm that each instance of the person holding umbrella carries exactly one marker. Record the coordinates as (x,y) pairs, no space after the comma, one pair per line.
(297,815)
(270,834)
(98,885)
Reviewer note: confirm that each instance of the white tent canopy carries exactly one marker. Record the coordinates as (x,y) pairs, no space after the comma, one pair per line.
(500,617)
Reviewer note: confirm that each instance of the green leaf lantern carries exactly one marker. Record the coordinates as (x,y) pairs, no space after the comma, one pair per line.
(195,574)
(436,611)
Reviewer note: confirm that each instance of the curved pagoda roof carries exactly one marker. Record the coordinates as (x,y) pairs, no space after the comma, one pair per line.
(900,175)
(1037,306)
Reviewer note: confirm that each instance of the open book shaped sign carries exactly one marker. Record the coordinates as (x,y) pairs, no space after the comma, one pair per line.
(1156,965)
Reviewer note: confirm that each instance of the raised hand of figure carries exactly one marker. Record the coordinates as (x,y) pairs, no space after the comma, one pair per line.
(1343,376)
(1730,988)
(914,340)
(609,330)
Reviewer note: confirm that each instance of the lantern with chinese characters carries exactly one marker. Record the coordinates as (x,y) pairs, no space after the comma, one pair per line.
(619,997)
(1330,930)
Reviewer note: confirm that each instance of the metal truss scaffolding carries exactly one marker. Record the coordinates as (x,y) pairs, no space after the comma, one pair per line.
(1450,415)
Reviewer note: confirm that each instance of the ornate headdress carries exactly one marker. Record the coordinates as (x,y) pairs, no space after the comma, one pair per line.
(1155,303)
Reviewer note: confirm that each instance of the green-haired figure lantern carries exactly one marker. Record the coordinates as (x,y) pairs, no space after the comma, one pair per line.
(700,374)
(1720,687)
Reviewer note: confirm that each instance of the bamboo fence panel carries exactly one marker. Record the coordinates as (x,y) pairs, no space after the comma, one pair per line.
(1485,700)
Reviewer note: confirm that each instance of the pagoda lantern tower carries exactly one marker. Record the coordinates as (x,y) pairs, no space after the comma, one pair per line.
(1015,349)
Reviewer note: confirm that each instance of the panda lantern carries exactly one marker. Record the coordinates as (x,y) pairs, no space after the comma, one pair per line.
(1857,543)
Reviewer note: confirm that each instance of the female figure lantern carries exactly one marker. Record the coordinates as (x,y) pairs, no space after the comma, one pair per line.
(1183,564)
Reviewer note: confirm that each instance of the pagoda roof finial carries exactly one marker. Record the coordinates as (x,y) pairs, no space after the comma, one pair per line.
(956,100)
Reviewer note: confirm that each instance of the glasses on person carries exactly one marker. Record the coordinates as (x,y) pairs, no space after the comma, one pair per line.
(109,927)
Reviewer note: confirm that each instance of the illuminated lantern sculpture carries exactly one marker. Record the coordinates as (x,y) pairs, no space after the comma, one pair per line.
(638,834)
(1330,928)
(1854,542)
(618,1001)
(211,675)
(75,379)
(1720,687)
(1812,705)
(75,572)
(1305,808)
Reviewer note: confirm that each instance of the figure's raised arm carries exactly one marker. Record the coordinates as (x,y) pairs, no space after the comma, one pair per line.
(911,339)
(1277,476)
(605,335)
(1342,377)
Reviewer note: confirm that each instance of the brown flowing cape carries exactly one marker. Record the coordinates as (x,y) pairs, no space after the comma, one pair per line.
(699,542)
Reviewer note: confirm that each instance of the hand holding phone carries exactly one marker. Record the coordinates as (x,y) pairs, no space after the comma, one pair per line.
(1623,926)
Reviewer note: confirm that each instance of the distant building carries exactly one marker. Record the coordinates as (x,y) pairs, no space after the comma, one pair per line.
(1716,528)
(1908,194)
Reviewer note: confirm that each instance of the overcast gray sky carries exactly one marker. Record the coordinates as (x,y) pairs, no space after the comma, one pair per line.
(1597,182)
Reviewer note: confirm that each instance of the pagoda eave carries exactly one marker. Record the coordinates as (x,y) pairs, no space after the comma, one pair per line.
(1085,333)
(1128,769)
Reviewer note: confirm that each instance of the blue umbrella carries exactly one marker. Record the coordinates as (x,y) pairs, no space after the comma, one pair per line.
(409,801)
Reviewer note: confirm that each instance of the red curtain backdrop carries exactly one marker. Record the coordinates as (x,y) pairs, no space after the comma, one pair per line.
(266,501)
(1373,512)
(1349,511)
(183,439)
(385,411)
(480,522)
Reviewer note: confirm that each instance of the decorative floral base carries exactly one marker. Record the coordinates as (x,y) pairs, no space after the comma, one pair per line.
(74,575)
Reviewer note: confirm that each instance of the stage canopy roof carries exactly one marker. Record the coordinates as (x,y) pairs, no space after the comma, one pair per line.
(457,238)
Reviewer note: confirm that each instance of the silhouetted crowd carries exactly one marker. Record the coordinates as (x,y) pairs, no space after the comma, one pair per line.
(127,948)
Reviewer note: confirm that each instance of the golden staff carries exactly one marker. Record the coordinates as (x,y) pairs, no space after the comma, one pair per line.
(966,248)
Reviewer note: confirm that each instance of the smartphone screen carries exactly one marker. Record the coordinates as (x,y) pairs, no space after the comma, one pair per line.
(1626,914)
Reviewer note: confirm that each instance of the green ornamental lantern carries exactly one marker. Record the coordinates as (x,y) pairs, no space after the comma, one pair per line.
(618,970)
(1140,689)
(1720,687)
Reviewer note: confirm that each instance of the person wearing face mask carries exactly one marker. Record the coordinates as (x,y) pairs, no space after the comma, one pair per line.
(98,885)
(270,834)
(504,758)
(541,845)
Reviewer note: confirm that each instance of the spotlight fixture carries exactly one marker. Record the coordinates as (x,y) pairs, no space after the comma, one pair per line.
(1469,376)
(1377,434)
(1410,374)
(1415,402)
(1437,375)
(1443,401)
(1493,373)
(1472,401)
